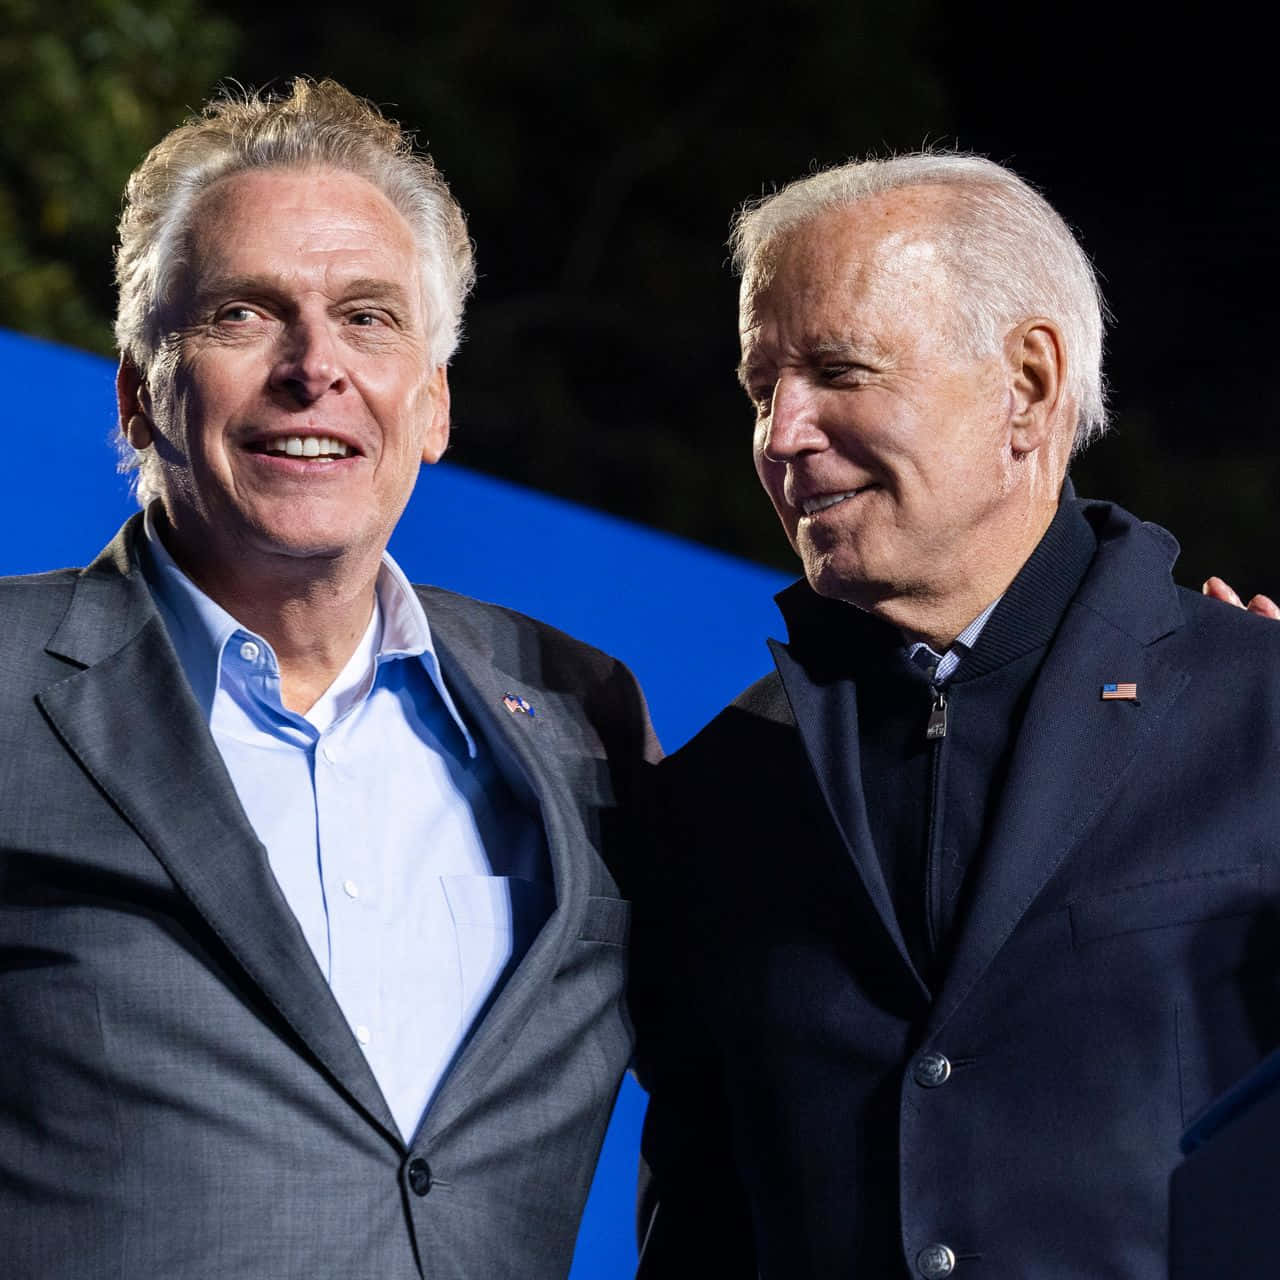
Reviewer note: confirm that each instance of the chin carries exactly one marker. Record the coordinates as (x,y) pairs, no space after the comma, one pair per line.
(837,582)
(840,572)
(307,529)
(305,542)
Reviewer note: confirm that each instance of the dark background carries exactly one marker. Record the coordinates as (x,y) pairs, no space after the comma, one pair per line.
(600,149)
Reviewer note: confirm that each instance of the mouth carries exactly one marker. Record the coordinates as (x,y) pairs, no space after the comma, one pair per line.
(825,501)
(321,448)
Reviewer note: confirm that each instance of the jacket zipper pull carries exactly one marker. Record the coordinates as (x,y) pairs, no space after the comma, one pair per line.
(937,726)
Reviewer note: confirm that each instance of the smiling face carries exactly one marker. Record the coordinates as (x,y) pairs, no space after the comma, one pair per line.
(885,448)
(301,400)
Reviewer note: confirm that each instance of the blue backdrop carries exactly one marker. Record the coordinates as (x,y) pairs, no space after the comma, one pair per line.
(689,621)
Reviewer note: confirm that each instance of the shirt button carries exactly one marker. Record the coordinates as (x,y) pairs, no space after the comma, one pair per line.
(329,753)
(350,888)
(935,1261)
(419,1176)
(931,1070)
(249,651)
(362,1034)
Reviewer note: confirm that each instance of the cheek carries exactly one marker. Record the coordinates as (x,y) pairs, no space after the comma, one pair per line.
(206,396)
(409,435)
(403,404)
(387,385)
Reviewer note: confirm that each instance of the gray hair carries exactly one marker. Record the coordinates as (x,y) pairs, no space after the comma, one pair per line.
(312,124)
(1013,255)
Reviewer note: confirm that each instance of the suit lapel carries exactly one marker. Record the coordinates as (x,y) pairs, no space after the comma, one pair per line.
(1073,750)
(131,720)
(826,717)
(522,745)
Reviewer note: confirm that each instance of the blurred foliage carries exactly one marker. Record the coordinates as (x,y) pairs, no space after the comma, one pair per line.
(88,86)
(600,146)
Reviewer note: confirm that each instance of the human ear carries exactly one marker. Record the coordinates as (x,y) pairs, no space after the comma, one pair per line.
(133,402)
(436,440)
(1037,362)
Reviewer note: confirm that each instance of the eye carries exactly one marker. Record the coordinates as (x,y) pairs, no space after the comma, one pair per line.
(236,313)
(847,375)
(761,396)
(371,318)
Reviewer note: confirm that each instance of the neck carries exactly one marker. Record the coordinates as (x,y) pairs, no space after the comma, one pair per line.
(939,627)
(940,610)
(311,611)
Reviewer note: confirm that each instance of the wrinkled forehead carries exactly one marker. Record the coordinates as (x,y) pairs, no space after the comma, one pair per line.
(292,229)
(891,245)
(295,210)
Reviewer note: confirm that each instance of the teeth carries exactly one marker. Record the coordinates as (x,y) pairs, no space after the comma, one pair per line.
(307,447)
(812,505)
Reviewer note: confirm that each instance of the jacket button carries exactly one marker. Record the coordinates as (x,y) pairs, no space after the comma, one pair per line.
(935,1261)
(420,1177)
(931,1070)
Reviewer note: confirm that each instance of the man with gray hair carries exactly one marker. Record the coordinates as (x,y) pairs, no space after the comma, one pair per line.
(961,914)
(312,929)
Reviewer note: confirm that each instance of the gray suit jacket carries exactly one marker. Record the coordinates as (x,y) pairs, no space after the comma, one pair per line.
(180,1096)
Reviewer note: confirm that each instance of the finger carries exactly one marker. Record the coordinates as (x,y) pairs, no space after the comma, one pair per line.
(1216,589)
(1264,607)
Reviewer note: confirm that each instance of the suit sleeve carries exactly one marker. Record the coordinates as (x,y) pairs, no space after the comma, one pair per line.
(618,710)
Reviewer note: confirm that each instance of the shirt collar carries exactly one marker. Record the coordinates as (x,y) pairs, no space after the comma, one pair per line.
(200,629)
(921,654)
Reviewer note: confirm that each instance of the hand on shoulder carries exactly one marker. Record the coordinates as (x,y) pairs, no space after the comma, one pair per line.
(1216,589)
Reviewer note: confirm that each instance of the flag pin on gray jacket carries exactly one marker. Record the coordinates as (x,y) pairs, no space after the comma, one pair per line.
(517,705)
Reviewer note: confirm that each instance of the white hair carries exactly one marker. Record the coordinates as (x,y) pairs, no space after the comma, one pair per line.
(313,124)
(1012,255)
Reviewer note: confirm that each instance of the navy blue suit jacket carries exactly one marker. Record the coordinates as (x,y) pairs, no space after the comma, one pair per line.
(1225,1195)
(1115,967)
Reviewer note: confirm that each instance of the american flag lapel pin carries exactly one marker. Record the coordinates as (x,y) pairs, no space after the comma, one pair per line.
(1120,691)
(517,705)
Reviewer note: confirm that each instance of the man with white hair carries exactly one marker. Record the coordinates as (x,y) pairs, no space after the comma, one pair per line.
(963,912)
(312,922)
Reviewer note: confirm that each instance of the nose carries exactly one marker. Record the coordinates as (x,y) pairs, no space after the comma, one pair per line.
(793,425)
(309,361)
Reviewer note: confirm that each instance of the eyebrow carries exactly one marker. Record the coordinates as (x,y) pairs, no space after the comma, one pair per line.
(376,290)
(844,349)
(365,288)
(816,349)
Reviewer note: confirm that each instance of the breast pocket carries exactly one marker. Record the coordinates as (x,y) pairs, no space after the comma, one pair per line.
(606,920)
(1232,891)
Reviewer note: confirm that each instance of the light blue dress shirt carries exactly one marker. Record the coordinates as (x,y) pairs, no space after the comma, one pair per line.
(418,879)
